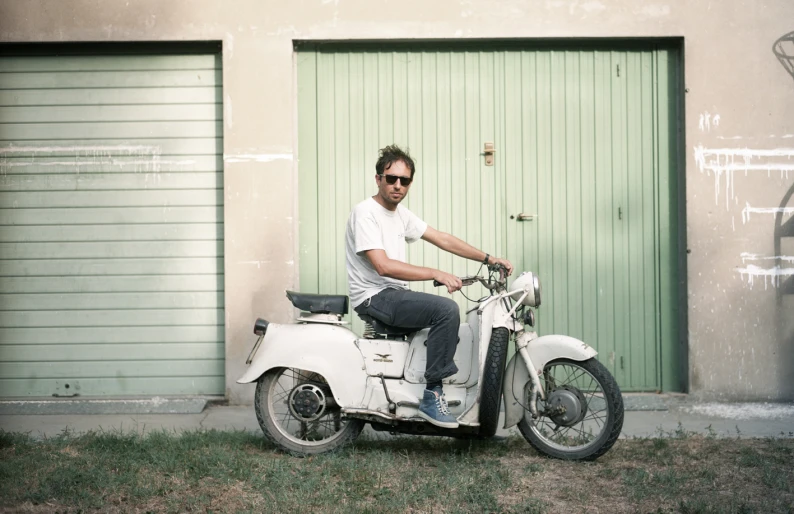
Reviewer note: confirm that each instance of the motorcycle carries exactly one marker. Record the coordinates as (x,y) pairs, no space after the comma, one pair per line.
(318,383)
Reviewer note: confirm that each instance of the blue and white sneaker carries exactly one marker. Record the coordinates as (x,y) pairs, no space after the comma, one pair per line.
(434,409)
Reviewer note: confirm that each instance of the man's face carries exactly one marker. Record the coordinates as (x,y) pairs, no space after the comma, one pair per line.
(393,194)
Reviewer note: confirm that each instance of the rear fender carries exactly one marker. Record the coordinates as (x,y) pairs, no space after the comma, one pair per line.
(328,350)
(542,350)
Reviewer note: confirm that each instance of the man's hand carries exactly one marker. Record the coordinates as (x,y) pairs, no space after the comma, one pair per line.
(503,262)
(452,282)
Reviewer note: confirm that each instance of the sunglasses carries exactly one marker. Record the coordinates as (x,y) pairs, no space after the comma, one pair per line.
(392,179)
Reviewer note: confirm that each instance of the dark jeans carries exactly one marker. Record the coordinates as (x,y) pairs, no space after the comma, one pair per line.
(410,309)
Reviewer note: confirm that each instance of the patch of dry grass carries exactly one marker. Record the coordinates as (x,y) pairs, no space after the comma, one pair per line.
(238,472)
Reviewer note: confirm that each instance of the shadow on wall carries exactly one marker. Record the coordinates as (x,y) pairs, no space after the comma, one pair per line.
(784,245)
(784,51)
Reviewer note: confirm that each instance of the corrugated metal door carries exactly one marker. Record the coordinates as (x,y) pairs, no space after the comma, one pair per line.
(111,225)
(583,145)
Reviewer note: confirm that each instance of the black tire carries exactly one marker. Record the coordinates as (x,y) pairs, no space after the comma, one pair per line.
(604,400)
(277,421)
(491,382)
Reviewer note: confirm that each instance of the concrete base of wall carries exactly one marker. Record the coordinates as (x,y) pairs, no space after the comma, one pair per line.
(154,405)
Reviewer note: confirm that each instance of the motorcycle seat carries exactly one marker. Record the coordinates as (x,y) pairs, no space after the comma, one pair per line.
(319,303)
(387,330)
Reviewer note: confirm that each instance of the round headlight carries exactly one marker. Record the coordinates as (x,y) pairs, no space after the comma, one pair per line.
(528,283)
(536,283)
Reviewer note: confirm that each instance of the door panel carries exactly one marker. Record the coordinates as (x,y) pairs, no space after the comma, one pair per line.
(111,224)
(583,139)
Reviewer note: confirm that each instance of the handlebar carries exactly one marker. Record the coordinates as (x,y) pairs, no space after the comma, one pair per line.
(487,283)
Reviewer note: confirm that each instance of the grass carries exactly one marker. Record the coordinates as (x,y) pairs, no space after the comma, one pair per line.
(212,471)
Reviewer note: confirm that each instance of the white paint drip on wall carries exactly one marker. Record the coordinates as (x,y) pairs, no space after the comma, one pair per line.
(756,257)
(726,161)
(704,124)
(771,275)
(252,157)
(786,211)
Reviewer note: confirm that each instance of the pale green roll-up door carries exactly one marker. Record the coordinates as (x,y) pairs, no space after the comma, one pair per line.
(111,221)
(586,149)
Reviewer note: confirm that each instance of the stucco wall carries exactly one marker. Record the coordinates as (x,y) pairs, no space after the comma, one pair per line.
(739,100)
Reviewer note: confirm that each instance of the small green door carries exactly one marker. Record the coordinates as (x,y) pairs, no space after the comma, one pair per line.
(111,223)
(581,190)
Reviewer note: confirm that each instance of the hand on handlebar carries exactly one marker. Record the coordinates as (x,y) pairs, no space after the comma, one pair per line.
(508,268)
(452,282)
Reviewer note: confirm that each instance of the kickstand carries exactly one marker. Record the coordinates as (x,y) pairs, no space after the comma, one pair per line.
(392,405)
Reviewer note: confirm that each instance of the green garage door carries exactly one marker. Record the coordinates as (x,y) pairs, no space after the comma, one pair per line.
(111,223)
(585,151)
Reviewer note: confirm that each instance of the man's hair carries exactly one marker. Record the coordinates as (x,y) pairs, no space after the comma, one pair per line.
(391,154)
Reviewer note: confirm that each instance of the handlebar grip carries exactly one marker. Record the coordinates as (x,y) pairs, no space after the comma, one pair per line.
(436,283)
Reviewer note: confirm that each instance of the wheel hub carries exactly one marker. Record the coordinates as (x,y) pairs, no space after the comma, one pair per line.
(566,406)
(307,402)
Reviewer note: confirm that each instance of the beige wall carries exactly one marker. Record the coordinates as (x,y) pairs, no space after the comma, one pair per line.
(738,345)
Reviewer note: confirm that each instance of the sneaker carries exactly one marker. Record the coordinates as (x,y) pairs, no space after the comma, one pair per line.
(433,408)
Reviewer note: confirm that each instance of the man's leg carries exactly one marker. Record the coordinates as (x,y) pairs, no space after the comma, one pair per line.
(403,308)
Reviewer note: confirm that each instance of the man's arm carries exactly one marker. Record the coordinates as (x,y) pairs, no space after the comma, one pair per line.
(452,244)
(403,271)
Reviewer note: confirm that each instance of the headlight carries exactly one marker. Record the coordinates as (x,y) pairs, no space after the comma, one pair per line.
(536,284)
(530,284)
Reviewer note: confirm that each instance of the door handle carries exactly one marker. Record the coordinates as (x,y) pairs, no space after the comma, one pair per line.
(524,217)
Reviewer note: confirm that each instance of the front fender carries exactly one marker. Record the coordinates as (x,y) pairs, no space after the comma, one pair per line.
(541,350)
(328,350)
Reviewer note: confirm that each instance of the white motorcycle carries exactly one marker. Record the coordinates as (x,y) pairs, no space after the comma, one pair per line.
(318,383)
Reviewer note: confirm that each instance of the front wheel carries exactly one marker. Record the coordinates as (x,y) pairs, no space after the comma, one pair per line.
(297,413)
(582,415)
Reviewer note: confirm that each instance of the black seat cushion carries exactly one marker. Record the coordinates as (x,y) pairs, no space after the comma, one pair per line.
(319,303)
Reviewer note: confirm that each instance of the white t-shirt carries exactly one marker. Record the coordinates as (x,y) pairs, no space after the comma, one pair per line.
(373,227)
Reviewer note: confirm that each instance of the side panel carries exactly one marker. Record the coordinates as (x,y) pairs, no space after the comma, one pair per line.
(464,355)
(328,350)
(384,356)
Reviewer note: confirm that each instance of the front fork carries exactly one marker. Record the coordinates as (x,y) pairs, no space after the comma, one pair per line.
(522,341)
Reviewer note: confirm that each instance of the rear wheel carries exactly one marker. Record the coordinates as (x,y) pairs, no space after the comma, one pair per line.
(582,415)
(491,382)
(297,413)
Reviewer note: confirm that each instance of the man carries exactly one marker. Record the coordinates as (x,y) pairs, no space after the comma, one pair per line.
(378,275)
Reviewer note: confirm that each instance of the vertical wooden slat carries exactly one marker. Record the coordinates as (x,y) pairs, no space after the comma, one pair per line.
(667,107)
(459,156)
(572,187)
(326,157)
(307,168)
(605,214)
(444,183)
(589,200)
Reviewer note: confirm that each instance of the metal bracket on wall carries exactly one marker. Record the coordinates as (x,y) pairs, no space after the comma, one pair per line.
(489,152)
(524,217)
